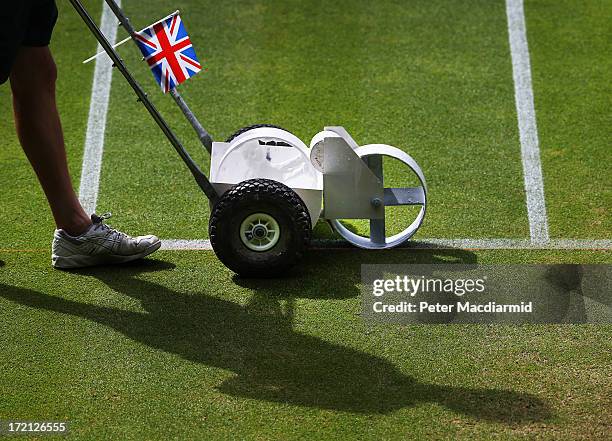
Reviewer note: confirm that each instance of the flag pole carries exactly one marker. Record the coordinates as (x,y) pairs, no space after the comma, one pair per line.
(93,57)
(197,173)
(202,133)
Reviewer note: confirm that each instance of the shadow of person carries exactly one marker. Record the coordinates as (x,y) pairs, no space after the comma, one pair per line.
(575,288)
(334,274)
(270,360)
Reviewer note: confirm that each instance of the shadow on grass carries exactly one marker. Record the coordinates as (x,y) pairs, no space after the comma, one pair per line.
(334,274)
(272,361)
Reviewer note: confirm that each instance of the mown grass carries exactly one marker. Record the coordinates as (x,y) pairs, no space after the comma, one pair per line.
(569,42)
(390,73)
(176,347)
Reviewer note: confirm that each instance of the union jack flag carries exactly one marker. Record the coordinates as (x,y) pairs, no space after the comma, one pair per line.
(168,51)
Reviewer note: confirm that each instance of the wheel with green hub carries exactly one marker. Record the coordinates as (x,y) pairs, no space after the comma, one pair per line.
(259,232)
(259,228)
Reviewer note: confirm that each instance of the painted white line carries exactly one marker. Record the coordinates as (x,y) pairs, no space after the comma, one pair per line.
(471,244)
(513,244)
(581,244)
(528,131)
(96,123)
(181,244)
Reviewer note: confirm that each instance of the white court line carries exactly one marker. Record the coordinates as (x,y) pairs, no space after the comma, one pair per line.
(96,123)
(470,244)
(186,244)
(528,131)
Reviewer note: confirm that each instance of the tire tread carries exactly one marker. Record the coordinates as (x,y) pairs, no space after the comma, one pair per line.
(253,189)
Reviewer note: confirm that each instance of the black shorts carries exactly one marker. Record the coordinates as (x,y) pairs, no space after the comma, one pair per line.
(24,23)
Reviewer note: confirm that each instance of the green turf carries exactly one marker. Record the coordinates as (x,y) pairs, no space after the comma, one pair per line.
(570,43)
(388,73)
(178,348)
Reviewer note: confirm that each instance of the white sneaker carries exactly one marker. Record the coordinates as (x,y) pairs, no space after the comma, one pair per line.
(99,245)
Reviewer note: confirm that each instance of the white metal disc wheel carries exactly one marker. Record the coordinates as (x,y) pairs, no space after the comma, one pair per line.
(259,232)
(392,197)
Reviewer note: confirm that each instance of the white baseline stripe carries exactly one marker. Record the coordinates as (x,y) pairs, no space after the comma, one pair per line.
(185,244)
(473,244)
(96,123)
(528,131)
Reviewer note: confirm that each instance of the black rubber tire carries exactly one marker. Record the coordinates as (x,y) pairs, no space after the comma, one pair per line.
(259,196)
(247,128)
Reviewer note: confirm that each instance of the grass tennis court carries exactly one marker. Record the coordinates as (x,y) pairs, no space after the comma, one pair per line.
(176,346)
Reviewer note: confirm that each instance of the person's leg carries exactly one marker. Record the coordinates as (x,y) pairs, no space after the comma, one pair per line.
(40,132)
(79,240)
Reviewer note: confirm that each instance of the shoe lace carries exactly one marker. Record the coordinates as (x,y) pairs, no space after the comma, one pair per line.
(98,222)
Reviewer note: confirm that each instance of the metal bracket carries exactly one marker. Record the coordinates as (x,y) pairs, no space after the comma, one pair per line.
(350,188)
(404,196)
(372,156)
